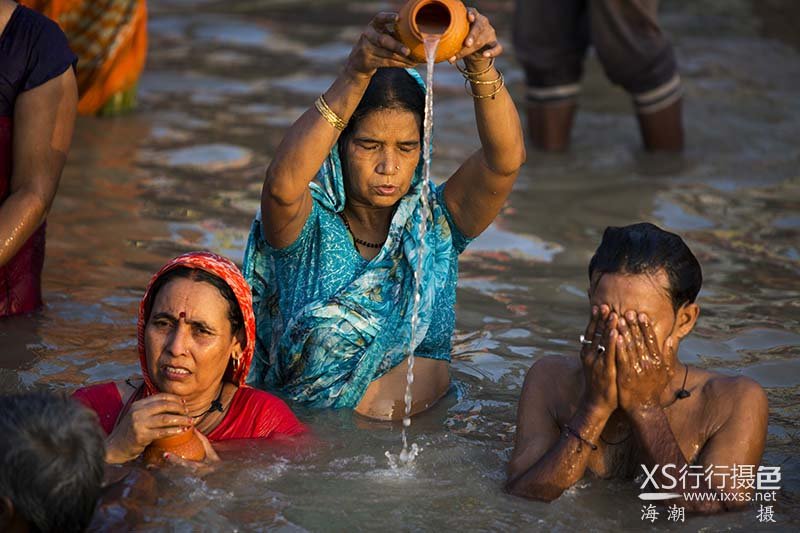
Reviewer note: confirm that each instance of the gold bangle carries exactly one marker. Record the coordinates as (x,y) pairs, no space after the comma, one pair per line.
(490,95)
(487,82)
(328,114)
(469,73)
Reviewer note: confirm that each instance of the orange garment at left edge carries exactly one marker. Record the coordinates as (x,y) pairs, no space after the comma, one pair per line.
(110,39)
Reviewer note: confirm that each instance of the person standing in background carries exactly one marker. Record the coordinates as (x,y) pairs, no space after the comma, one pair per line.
(551,39)
(110,39)
(38,97)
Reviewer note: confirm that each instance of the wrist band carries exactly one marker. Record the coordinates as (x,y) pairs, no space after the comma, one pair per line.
(578,436)
(328,114)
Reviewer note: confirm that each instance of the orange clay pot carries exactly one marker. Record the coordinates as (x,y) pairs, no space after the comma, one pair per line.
(420,18)
(186,445)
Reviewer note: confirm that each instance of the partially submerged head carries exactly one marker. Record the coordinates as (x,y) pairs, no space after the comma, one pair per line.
(381,146)
(52,454)
(196,326)
(645,269)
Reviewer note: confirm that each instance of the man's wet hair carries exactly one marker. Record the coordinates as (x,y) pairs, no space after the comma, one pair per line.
(52,452)
(645,248)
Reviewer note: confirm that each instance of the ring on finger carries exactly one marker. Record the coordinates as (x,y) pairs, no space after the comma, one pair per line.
(585,341)
(601,349)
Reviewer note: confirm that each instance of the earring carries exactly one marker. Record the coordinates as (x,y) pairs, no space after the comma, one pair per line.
(235,364)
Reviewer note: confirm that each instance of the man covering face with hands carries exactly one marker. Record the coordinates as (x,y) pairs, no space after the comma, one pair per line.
(628,405)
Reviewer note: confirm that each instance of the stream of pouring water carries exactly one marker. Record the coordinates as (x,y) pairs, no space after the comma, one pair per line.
(407,454)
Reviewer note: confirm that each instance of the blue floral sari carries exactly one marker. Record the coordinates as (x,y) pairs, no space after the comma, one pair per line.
(332,348)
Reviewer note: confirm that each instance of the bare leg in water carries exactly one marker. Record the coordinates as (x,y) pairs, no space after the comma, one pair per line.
(662,131)
(550,125)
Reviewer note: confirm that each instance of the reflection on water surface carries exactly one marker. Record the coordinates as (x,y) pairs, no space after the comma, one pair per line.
(185,172)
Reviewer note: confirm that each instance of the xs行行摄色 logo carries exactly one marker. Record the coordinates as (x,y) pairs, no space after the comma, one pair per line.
(712,483)
(671,482)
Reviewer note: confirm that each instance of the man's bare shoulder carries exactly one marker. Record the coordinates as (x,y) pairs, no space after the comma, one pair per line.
(555,376)
(726,399)
(735,407)
(557,367)
(720,389)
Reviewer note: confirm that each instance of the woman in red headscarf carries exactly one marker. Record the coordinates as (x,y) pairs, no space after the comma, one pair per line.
(196,335)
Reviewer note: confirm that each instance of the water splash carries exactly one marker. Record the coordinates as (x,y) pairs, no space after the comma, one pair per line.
(408,454)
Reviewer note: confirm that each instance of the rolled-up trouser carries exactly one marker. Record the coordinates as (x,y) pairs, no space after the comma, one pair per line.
(551,38)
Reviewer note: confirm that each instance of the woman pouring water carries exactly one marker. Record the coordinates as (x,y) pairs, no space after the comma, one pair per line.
(342,229)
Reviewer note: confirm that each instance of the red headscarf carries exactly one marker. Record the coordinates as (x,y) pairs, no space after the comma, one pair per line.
(224,269)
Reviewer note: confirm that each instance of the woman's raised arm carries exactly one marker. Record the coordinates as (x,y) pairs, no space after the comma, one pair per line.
(285,197)
(479,188)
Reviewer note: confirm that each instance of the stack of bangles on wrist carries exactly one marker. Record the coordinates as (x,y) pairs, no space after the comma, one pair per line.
(471,77)
(329,114)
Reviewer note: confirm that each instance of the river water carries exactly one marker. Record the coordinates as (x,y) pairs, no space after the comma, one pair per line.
(225,79)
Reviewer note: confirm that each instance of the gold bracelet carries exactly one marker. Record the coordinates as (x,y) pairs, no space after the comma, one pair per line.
(487,82)
(329,114)
(469,73)
(490,95)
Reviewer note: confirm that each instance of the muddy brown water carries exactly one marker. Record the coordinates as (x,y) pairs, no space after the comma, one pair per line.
(224,81)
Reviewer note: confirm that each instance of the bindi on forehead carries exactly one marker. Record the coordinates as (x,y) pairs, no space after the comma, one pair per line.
(191,300)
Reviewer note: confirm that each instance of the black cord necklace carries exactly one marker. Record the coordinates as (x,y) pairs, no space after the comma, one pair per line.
(682,392)
(356,239)
(216,405)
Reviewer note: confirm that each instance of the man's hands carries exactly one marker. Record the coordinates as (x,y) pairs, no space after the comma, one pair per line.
(642,370)
(599,367)
(632,372)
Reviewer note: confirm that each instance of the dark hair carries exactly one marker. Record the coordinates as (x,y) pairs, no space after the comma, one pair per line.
(645,248)
(235,316)
(389,88)
(52,452)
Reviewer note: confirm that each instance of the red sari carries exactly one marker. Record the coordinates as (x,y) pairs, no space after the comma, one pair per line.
(253,413)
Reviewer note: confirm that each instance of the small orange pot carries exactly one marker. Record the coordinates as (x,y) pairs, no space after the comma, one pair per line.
(186,445)
(421,18)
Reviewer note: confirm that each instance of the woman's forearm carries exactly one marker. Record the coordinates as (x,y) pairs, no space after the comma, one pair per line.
(310,139)
(498,122)
(20,215)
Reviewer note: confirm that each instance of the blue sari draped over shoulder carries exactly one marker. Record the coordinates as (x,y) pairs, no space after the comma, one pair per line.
(330,322)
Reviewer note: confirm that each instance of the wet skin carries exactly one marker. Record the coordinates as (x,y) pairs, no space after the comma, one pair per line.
(627,397)
(44,118)
(381,157)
